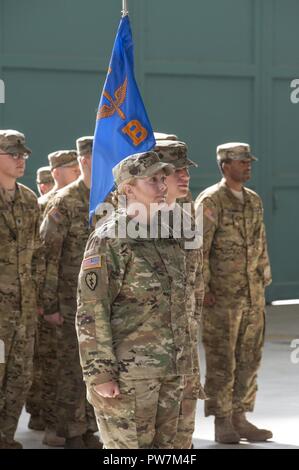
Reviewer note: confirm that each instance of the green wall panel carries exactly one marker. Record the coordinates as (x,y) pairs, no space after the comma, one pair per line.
(284,240)
(203,104)
(209,70)
(59,109)
(196,31)
(59,28)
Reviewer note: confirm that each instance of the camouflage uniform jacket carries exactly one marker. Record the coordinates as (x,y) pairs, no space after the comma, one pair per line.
(65,230)
(194,260)
(22,262)
(44,199)
(132,319)
(236,263)
(195,291)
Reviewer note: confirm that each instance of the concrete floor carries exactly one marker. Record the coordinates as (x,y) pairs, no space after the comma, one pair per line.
(277,406)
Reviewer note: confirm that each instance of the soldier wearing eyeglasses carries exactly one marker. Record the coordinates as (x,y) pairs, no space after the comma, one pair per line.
(20,276)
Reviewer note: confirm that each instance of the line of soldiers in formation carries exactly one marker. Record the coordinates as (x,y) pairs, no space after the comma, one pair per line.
(131,322)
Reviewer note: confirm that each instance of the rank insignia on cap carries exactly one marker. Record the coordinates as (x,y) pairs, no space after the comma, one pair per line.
(92,262)
(91,280)
(55,214)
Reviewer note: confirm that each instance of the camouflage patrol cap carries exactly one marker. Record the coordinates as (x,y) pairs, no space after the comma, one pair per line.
(44,175)
(84,145)
(63,158)
(12,141)
(140,165)
(234,151)
(162,136)
(174,152)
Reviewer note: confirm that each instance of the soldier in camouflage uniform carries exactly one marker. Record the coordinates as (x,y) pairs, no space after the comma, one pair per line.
(236,271)
(175,153)
(65,230)
(44,183)
(133,323)
(161,136)
(20,279)
(44,180)
(64,169)
(41,401)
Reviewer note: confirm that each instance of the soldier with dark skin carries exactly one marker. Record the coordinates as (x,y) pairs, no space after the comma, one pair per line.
(65,230)
(21,278)
(236,272)
(133,331)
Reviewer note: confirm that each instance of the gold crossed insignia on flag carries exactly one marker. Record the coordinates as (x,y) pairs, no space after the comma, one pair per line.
(114,107)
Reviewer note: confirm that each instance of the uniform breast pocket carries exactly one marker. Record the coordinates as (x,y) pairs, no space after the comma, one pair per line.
(230,221)
(228,225)
(144,274)
(228,217)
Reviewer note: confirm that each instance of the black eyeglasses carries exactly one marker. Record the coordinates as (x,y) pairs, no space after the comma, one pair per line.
(17,156)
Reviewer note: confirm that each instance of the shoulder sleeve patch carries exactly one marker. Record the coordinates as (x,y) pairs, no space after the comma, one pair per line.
(55,215)
(92,262)
(209,214)
(91,280)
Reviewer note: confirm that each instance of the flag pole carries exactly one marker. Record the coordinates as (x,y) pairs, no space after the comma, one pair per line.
(125,10)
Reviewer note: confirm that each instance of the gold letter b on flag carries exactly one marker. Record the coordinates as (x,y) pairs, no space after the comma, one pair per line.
(135,131)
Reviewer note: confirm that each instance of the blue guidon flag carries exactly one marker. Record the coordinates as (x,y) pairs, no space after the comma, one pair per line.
(122,127)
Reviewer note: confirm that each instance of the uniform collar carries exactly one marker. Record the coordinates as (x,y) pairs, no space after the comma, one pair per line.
(228,192)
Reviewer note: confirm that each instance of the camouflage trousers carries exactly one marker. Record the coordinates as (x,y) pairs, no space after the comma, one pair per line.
(42,396)
(186,423)
(75,415)
(16,371)
(34,401)
(233,340)
(144,416)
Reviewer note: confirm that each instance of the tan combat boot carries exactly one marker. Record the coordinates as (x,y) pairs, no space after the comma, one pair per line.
(224,431)
(247,430)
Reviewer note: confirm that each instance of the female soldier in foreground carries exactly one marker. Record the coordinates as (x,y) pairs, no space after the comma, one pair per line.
(133,327)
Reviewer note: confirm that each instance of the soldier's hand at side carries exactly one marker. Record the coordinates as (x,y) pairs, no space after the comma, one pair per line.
(209,300)
(108,389)
(55,319)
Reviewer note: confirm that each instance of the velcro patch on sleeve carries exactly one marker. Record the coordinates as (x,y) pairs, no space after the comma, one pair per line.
(55,215)
(91,280)
(92,262)
(209,214)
